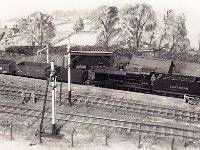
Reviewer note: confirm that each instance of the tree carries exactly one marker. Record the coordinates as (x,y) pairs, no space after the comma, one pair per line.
(2,35)
(172,35)
(104,19)
(183,45)
(38,27)
(79,25)
(137,22)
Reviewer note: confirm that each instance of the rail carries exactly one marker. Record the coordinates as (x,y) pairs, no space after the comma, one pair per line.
(150,129)
(116,104)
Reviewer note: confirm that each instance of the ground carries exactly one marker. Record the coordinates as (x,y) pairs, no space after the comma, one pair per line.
(86,138)
(20,143)
(83,140)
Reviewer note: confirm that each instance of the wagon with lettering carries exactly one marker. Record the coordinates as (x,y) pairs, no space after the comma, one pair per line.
(177,85)
(7,66)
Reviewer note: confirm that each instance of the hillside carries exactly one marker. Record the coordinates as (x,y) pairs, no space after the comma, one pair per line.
(61,17)
(64,22)
(64,31)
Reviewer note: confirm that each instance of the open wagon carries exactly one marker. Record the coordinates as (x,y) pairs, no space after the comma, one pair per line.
(7,66)
(33,69)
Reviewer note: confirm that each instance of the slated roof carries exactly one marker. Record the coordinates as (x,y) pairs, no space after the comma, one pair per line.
(187,69)
(142,64)
(92,53)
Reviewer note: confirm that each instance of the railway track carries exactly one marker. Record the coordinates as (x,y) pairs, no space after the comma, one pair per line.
(16,91)
(136,107)
(114,104)
(110,124)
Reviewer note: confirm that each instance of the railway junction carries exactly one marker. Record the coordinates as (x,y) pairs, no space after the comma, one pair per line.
(42,111)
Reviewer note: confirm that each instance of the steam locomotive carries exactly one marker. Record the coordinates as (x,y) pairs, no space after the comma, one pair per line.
(149,75)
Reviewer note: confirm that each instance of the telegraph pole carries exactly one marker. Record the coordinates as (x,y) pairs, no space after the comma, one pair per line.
(53,84)
(69,72)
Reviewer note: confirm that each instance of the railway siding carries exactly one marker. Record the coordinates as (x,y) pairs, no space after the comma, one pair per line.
(113,104)
(149,129)
(149,110)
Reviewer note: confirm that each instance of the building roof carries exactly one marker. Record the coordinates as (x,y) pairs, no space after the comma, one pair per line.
(92,53)
(142,64)
(187,69)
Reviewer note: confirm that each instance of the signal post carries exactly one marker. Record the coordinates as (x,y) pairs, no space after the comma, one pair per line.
(69,72)
(47,53)
(53,85)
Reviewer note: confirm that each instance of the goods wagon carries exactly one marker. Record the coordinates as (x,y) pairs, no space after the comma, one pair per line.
(33,69)
(77,76)
(7,66)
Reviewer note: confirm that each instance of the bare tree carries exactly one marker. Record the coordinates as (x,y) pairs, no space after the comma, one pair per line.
(79,25)
(137,21)
(172,34)
(104,19)
(38,27)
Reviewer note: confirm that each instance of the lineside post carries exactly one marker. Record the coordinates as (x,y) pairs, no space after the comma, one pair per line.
(53,84)
(72,137)
(172,144)
(139,140)
(11,131)
(69,72)
(107,137)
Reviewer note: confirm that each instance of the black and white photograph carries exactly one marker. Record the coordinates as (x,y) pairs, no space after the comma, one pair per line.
(99,75)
